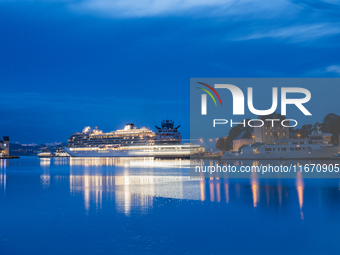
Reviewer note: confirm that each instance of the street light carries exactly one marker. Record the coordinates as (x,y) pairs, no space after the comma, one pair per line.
(211,140)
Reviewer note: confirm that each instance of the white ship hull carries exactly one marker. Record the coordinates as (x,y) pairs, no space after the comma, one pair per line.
(105,153)
(182,151)
(320,153)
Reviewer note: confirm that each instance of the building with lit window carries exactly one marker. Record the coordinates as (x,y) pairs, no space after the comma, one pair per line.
(271,130)
(4,146)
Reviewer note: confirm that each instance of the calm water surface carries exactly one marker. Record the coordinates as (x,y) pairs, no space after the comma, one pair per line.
(143,206)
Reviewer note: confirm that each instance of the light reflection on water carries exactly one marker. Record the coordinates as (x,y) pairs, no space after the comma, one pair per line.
(3,176)
(132,191)
(140,187)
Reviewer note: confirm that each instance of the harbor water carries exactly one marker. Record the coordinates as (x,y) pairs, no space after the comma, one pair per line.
(149,206)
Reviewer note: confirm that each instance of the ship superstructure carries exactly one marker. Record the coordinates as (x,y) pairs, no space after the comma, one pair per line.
(130,135)
(167,133)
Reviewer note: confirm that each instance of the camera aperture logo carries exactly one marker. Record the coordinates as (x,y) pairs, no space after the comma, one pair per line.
(204,97)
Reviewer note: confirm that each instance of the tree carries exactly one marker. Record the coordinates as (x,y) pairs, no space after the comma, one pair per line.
(304,131)
(331,124)
(221,143)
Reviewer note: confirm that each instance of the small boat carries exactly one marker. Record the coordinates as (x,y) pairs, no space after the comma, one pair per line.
(44,154)
(336,156)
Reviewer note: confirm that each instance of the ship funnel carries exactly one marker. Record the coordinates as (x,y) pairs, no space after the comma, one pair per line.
(129,126)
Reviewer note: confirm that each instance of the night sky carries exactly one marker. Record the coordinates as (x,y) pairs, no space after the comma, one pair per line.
(68,64)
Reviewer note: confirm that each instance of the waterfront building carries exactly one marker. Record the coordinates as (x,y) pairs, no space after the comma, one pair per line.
(4,146)
(271,131)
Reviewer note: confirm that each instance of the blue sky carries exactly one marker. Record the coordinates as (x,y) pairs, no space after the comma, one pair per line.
(67,64)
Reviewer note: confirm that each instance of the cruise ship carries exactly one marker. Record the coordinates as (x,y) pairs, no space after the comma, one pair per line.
(131,142)
(317,146)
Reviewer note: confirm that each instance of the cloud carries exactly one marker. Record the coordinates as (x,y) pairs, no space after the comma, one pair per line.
(333,69)
(41,109)
(28,144)
(298,33)
(35,101)
(288,20)
(151,8)
(239,20)
(53,144)
(37,117)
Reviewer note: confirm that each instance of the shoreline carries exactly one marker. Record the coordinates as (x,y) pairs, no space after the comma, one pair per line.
(9,157)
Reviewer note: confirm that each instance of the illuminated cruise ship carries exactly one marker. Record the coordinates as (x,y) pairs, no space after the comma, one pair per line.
(131,142)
